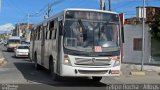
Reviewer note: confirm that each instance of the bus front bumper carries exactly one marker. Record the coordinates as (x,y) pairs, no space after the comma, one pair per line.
(89,71)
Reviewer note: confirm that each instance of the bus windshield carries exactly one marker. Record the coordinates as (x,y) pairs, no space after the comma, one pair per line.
(91,35)
(90,31)
(13,41)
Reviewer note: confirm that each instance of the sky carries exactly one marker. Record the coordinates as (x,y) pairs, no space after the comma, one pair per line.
(16,11)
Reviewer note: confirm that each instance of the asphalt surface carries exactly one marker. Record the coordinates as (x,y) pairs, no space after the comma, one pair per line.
(21,72)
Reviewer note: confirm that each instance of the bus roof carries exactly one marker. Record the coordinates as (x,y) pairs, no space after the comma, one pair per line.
(74,9)
(14,37)
(95,10)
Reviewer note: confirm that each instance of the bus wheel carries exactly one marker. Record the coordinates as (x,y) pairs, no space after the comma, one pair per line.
(54,76)
(36,65)
(96,79)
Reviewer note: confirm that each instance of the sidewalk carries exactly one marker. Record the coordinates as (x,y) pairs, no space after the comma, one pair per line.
(148,69)
(2,59)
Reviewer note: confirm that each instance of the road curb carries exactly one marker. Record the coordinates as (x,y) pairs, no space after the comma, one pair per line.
(137,73)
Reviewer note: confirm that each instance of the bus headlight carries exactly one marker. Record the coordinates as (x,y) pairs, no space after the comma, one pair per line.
(117,61)
(66,60)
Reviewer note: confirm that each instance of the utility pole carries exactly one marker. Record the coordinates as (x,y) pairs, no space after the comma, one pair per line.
(49,10)
(28,21)
(109,2)
(102,5)
(143,36)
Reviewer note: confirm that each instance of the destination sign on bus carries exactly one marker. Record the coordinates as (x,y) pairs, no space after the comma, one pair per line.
(91,15)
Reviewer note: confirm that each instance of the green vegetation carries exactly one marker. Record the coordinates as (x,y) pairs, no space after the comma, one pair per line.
(155,50)
(2,36)
(155,26)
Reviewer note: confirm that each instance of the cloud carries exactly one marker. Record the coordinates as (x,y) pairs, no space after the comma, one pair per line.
(7,27)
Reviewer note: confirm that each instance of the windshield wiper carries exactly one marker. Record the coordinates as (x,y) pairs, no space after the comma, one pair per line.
(111,23)
(83,29)
(81,24)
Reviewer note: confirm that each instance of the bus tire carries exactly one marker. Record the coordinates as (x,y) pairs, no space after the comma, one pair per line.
(54,76)
(96,79)
(36,65)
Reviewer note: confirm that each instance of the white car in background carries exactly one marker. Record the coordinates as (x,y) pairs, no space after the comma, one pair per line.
(21,50)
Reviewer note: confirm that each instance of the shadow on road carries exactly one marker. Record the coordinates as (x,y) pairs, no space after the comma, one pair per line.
(43,77)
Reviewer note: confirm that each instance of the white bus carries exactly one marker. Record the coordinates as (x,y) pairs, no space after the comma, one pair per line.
(78,43)
(12,42)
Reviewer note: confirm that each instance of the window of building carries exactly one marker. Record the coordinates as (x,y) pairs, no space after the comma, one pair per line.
(137,44)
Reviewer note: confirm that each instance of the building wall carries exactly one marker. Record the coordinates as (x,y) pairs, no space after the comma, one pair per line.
(23,31)
(131,32)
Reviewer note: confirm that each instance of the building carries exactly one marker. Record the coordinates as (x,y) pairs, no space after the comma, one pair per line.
(150,16)
(133,44)
(133,38)
(23,30)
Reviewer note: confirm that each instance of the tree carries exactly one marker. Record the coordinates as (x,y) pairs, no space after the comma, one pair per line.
(155,26)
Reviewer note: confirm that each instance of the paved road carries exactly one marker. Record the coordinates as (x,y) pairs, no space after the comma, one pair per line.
(21,71)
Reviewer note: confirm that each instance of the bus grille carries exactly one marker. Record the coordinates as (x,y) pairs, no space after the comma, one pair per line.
(92,62)
(92,72)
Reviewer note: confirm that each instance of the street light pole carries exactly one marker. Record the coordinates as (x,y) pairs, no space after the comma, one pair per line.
(143,36)
(102,5)
(49,10)
(28,22)
(109,2)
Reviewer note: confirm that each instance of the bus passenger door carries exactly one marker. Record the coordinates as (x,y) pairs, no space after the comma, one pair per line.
(59,46)
(33,37)
(43,45)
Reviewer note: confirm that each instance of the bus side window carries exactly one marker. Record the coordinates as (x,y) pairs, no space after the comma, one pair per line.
(55,29)
(37,34)
(38,31)
(31,35)
(46,33)
(40,35)
(55,33)
(50,34)
(51,28)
